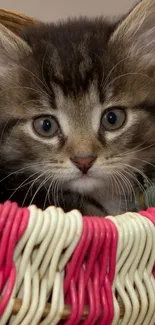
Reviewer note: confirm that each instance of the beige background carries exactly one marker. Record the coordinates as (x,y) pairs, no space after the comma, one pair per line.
(49,10)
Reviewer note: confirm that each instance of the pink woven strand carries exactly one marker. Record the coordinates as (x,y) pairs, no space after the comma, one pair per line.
(97,259)
(92,272)
(24,223)
(93,252)
(105,252)
(152,211)
(87,246)
(104,270)
(108,292)
(112,268)
(149,213)
(92,305)
(16,221)
(12,242)
(9,212)
(96,284)
(81,297)
(8,291)
(74,303)
(4,210)
(75,258)
(113,251)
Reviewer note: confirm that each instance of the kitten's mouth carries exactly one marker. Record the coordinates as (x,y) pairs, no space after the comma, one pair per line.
(84,176)
(84,184)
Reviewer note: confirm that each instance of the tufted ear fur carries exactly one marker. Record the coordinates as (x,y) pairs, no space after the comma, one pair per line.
(136,32)
(12,51)
(12,44)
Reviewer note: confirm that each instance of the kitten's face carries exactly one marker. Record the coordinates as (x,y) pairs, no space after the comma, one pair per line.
(77,110)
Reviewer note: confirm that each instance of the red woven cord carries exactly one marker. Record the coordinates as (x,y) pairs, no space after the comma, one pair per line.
(90,273)
(13,223)
(75,258)
(81,296)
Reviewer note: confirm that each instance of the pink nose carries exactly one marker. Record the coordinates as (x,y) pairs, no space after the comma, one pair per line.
(83,162)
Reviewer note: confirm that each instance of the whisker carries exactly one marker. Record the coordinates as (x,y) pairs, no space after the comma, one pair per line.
(55,193)
(113,68)
(26,88)
(139,172)
(145,161)
(119,180)
(127,183)
(18,171)
(130,74)
(21,185)
(117,184)
(48,191)
(39,187)
(140,150)
(134,177)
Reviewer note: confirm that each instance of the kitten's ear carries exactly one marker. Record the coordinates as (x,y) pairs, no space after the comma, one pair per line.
(11,44)
(137,30)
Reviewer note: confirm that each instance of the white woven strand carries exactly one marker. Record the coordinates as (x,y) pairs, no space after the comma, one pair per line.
(55,235)
(57,290)
(134,282)
(63,231)
(42,302)
(139,277)
(30,244)
(120,248)
(130,278)
(21,244)
(60,310)
(124,263)
(26,297)
(125,241)
(8,311)
(76,221)
(129,269)
(38,253)
(34,302)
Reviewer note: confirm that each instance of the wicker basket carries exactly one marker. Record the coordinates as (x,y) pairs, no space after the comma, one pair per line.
(15,21)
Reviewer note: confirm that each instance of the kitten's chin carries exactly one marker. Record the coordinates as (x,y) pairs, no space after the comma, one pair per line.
(84,185)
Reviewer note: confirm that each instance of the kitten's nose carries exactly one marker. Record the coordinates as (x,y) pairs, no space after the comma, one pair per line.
(83,162)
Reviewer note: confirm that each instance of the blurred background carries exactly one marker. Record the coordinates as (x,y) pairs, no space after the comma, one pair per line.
(52,10)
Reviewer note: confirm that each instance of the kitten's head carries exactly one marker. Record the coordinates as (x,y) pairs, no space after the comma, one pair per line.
(77,101)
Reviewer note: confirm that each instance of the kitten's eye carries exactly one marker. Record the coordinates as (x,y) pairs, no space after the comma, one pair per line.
(46,126)
(113,119)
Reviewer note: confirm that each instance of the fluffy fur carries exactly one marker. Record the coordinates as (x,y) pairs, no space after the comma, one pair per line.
(75,71)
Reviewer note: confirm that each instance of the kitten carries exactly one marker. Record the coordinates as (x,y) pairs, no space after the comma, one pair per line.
(77,111)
